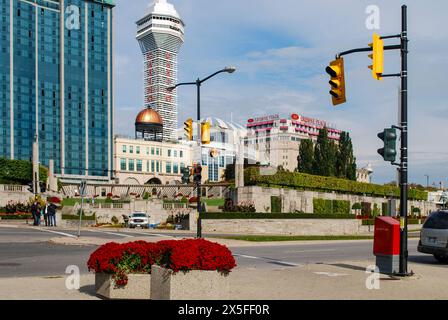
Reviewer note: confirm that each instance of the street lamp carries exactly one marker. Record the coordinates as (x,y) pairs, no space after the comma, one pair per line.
(198,84)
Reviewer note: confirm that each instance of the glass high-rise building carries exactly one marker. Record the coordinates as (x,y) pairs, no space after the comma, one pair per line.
(56,83)
(160,34)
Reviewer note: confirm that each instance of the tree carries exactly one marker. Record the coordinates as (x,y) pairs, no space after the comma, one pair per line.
(346,161)
(323,163)
(306,157)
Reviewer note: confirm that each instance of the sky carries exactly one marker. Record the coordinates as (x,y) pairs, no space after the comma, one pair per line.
(281,48)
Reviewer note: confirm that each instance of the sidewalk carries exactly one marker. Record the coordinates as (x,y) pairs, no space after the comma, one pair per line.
(341,281)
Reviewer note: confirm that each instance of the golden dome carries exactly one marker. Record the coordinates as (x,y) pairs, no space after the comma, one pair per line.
(148,116)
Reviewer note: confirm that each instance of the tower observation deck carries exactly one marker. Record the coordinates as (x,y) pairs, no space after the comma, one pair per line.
(160,34)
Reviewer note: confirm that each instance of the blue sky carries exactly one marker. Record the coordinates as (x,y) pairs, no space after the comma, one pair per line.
(281,49)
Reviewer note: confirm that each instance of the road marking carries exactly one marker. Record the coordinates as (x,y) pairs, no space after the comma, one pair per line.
(152,234)
(113,233)
(56,232)
(285,263)
(331,274)
(306,251)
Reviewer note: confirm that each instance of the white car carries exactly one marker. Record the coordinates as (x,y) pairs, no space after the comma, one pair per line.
(139,219)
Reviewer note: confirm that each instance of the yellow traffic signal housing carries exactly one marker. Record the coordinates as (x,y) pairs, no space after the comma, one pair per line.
(377,57)
(337,82)
(205,133)
(189,129)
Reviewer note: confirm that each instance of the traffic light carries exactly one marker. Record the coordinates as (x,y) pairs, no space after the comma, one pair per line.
(337,82)
(197,173)
(189,129)
(389,152)
(205,133)
(377,57)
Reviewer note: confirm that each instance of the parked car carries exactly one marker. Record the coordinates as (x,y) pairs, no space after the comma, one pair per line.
(139,219)
(434,236)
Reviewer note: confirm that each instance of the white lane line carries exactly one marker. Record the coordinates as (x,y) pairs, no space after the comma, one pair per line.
(56,232)
(331,274)
(310,251)
(151,234)
(112,233)
(286,263)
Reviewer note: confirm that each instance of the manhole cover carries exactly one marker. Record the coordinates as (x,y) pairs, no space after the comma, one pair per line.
(9,264)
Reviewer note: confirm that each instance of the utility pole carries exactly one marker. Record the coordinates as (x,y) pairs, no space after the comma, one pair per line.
(336,71)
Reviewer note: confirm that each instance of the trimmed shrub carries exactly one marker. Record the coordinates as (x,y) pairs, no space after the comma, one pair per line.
(322,206)
(276,204)
(302,181)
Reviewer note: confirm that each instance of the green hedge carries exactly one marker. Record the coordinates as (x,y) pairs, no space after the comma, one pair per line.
(371,222)
(258,215)
(19,172)
(322,206)
(76,217)
(302,181)
(16,217)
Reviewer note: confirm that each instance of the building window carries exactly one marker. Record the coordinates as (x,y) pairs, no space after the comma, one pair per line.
(169,152)
(147,150)
(168,167)
(131,149)
(176,168)
(152,151)
(158,166)
(139,166)
(152,166)
(181,154)
(221,161)
(124,149)
(131,165)
(175,153)
(157,151)
(123,164)
(137,150)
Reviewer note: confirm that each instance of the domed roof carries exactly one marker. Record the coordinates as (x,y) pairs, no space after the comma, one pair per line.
(149,116)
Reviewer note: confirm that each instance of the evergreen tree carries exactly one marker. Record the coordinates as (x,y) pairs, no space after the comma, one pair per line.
(333,155)
(346,163)
(306,156)
(323,163)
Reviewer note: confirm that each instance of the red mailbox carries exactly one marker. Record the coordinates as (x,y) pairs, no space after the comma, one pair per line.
(386,245)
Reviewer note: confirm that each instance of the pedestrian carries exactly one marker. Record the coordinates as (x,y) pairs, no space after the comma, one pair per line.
(46,217)
(52,214)
(35,211)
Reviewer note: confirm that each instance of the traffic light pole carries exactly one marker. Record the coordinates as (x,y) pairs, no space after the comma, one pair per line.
(198,183)
(403,165)
(404,146)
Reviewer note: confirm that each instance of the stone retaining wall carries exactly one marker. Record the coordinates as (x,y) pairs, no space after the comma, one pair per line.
(287,227)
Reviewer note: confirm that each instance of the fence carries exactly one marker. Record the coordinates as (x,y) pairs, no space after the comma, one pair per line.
(13,188)
(169,192)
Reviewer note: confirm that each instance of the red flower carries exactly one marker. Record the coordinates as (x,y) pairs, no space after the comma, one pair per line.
(177,255)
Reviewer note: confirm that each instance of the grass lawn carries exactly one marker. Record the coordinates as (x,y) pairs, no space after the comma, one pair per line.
(255,238)
(214,202)
(295,238)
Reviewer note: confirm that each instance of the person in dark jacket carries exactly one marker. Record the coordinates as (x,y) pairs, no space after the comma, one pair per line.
(35,211)
(52,214)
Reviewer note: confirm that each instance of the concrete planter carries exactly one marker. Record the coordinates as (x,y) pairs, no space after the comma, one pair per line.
(138,287)
(193,285)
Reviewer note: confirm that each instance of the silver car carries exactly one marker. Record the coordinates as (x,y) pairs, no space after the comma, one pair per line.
(434,236)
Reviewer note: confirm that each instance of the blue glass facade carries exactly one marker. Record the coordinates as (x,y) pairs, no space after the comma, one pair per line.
(68,105)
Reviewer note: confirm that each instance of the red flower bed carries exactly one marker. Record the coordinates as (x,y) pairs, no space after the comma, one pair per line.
(177,255)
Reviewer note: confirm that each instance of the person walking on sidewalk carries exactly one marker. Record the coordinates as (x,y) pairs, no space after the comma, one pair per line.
(35,211)
(46,217)
(52,214)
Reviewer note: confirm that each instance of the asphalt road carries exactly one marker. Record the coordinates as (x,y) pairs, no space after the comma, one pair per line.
(26,251)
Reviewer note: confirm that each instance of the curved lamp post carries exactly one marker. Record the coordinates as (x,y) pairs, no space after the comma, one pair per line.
(198,84)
